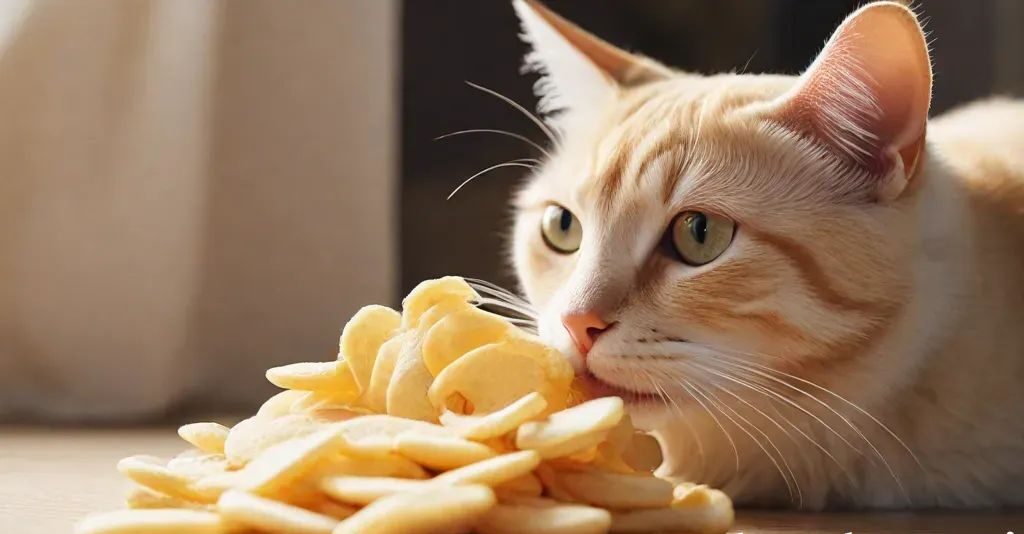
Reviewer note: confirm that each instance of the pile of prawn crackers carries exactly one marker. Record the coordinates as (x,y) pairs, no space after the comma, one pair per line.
(442,418)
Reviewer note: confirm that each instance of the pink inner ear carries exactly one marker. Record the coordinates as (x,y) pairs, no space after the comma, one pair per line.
(867,94)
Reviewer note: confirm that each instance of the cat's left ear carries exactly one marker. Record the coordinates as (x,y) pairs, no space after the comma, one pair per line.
(579,70)
(866,96)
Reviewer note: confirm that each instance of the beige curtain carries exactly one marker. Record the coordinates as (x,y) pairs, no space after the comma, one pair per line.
(190,191)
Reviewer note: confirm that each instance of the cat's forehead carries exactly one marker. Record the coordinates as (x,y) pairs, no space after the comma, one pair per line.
(637,150)
(688,143)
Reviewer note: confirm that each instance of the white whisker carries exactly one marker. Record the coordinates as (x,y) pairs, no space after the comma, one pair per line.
(528,313)
(533,118)
(514,163)
(728,436)
(753,387)
(849,423)
(721,407)
(513,135)
(497,292)
(664,395)
(792,475)
(848,402)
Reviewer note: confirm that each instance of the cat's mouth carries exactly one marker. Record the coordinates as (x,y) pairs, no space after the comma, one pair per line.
(596,387)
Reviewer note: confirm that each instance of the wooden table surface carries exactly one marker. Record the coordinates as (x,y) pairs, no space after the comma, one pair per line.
(51,478)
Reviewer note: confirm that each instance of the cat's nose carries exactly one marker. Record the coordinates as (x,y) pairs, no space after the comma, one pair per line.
(584,329)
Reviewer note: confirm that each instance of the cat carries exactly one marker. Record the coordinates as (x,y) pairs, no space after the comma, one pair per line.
(809,291)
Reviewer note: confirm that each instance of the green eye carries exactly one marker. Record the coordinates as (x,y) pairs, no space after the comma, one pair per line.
(561,229)
(701,237)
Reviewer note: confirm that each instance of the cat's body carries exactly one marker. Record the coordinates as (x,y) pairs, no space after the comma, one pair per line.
(857,342)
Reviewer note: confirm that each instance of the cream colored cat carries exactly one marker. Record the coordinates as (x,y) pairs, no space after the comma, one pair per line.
(814,294)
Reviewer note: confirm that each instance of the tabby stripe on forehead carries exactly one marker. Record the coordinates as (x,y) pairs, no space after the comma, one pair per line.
(613,175)
(814,275)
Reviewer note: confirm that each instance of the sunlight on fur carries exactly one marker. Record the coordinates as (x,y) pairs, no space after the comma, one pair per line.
(854,341)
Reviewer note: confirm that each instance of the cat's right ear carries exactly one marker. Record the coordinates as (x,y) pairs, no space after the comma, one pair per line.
(579,70)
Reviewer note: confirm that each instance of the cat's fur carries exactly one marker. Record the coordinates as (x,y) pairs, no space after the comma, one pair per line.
(876,269)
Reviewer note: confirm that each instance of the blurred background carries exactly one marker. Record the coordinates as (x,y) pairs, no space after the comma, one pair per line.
(192,191)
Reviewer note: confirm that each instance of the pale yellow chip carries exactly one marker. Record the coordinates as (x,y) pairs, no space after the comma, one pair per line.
(493,471)
(583,419)
(332,414)
(330,508)
(713,518)
(362,338)
(334,377)
(141,497)
(284,463)
(497,423)
(152,473)
(320,403)
(213,486)
(374,435)
(581,447)
(376,396)
(688,495)
(197,466)
(430,292)
(153,522)
(613,490)
(441,453)
(249,438)
(527,485)
(553,518)
(491,377)
(207,437)
(280,404)
(364,490)
(390,465)
(439,311)
(435,510)
(644,452)
(407,392)
(459,333)
(549,479)
(244,509)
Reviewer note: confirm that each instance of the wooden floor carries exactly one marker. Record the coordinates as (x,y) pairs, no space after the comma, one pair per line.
(51,478)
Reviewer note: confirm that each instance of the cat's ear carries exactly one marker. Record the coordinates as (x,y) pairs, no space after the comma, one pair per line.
(867,94)
(578,69)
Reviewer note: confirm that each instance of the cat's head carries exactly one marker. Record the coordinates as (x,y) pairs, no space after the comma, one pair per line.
(683,222)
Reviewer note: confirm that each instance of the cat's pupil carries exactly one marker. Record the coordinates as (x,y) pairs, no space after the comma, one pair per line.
(565,221)
(699,227)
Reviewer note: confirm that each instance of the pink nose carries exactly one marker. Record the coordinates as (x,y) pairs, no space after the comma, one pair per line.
(584,329)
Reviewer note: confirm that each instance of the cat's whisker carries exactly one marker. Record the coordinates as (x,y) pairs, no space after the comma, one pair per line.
(513,163)
(768,390)
(724,359)
(669,399)
(526,312)
(849,403)
(533,118)
(735,449)
(521,322)
(714,384)
(481,286)
(722,407)
(513,135)
(846,420)
(760,390)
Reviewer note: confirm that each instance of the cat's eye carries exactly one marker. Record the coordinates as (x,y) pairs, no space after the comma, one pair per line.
(561,229)
(700,237)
